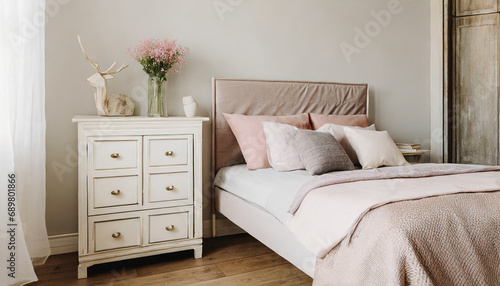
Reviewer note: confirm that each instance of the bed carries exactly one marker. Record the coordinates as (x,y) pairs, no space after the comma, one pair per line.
(259,201)
(262,97)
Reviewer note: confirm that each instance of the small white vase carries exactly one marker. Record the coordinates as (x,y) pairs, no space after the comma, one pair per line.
(188,99)
(190,109)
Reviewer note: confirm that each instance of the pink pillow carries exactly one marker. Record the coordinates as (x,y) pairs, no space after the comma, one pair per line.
(318,120)
(250,135)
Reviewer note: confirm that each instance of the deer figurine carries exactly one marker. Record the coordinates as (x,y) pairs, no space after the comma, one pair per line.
(108,104)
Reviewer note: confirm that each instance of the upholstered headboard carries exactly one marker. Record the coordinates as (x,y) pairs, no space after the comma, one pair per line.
(266,97)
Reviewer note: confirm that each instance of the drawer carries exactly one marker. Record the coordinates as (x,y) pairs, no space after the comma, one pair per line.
(115,191)
(117,233)
(119,154)
(169,152)
(169,186)
(168,227)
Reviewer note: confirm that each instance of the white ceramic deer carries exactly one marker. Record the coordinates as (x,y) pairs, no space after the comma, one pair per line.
(108,104)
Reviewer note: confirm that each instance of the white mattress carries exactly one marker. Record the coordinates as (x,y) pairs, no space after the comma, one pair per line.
(266,188)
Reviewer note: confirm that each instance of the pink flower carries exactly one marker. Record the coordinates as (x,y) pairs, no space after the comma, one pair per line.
(165,53)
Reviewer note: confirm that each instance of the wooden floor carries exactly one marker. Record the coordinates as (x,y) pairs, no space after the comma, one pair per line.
(229,260)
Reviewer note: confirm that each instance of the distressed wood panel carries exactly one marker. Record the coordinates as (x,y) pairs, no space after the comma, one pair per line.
(448,56)
(476,92)
(474,7)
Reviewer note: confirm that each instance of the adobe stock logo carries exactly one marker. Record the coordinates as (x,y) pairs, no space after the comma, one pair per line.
(30,28)
(372,29)
(224,6)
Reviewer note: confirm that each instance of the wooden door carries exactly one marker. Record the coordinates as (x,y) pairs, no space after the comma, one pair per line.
(474,7)
(475,96)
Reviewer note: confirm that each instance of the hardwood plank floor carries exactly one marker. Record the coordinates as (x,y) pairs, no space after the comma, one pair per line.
(228,260)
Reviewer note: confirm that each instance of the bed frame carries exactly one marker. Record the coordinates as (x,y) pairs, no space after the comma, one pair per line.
(266,97)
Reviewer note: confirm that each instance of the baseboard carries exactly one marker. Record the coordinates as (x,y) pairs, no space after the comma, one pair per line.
(63,243)
(66,243)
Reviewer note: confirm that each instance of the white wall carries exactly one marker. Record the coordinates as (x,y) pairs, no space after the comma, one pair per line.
(260,39)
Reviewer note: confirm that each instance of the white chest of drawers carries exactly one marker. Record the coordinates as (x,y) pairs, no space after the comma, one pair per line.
(139,187)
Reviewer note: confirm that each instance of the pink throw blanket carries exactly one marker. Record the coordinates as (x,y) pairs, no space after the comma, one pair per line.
(419,225)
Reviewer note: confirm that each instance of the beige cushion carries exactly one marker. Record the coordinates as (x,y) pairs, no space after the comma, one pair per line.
(320,152)
(338,132)
(318,120)
(251,138)
(374,148)
(280,151)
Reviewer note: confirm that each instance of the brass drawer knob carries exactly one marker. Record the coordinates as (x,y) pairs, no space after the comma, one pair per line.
(169,153)
(170,228)
(115,193)
(170,188)
(115,155)
(116,235)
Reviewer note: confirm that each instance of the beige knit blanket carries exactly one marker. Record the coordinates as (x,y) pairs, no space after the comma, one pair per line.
(446,240)
(428,224)
(329,213)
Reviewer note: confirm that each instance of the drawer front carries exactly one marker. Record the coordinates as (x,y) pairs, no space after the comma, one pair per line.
(111,154)
(168,152)
(117,234)
(169,186)
(168,227)
(116,191)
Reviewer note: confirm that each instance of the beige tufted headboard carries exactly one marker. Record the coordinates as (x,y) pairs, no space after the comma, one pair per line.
(268,97)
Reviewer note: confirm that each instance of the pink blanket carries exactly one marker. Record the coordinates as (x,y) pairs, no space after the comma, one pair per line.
(412,171)
(445,240)
(405,225)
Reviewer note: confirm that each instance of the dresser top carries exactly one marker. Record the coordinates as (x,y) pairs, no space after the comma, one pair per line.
(94,118)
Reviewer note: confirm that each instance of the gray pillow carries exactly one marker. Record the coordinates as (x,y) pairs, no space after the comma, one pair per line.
(320,152)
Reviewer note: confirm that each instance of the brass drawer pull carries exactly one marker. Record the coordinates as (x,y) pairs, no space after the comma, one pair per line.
(115,155)
(170,188)
(170,227)
(169,153)
(116,235)
(115,193)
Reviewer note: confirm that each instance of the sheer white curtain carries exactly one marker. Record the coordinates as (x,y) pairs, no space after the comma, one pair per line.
(22,138)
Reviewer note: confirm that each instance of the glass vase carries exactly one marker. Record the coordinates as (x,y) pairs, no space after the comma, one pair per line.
(157,102)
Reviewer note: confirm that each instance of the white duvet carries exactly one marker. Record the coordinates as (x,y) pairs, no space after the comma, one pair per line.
(270,190)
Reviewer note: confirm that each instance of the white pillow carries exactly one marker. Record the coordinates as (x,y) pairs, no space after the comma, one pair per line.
(280,151)
(338,132)
(375,148)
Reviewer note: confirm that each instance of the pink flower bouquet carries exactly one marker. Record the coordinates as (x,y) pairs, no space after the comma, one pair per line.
(159,57)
